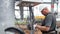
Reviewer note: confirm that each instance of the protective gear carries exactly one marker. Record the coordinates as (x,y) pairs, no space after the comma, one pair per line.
(42,6)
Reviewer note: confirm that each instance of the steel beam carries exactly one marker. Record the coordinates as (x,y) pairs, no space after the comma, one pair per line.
(31,19)
(52,5)
(21,12)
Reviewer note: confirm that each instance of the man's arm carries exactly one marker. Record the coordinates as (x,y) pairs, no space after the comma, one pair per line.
(43,28)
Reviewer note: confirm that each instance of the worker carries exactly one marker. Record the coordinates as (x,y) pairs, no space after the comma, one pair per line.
(49,23)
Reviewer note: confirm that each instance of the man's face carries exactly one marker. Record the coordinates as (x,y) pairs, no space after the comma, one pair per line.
(44,11)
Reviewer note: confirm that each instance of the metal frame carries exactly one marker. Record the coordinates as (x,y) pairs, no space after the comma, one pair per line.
(31,12)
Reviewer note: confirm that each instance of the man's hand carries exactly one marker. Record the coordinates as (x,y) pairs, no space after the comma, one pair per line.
(42,28)
(38,26)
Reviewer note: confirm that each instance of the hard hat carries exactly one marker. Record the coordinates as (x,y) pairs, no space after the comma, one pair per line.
(42,6)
